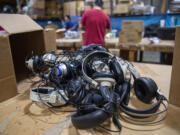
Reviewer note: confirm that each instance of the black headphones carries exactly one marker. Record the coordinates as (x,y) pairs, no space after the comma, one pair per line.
(115,70)
(100,104)
(96,82)
(145,90)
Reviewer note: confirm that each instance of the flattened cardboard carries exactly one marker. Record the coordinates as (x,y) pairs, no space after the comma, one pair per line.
(16,23)
(175,78)
(5,57)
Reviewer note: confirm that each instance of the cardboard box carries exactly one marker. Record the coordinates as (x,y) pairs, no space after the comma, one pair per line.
(130,37)
(125,1)
(39,4)
(107,4)
(122,9)
(7,76)
(80,7)
(133,26)
(23,36)
(35,12)
(50,39)
(107,7)
(60,33)
(175,79)
(107,11)
(73,8)
(88,7)
(53,8)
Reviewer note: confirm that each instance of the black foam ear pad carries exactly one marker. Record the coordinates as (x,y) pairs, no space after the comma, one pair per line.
(145,89)
(116,69)
(102,74)
(89,120)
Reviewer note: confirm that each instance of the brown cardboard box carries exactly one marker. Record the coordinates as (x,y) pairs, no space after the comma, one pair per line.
(53,8)
(88,7)
(107,4)
(73,8)
(131,36)
(23,36)
(125,1)
(107,7)
(60,33)
(39,4)
(8,86)
(122,9)
(80,7)
(175,78)
(133,26)
(51,26)
(50,39)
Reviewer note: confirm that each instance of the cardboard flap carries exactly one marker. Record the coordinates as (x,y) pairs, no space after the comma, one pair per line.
(16,23)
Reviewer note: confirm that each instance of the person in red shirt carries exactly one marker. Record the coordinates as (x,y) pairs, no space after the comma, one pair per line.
(95,23)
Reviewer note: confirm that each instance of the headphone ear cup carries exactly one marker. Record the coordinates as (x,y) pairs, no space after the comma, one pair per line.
(145,89)
(118,72)
(89,120)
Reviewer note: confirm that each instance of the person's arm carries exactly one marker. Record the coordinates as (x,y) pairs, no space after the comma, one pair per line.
(81,26)
(108,28)
(63,23)
(83,22)
(74,27)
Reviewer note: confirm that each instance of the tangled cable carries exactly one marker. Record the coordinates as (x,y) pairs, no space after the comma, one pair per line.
(98,84)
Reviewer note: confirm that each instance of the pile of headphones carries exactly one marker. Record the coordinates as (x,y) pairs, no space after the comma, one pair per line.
(99,84)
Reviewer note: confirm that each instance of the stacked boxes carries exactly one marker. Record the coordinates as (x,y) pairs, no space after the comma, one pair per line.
(53,8)
(123,7)
(73,8)
(132,31)
(36,8)
(107,6)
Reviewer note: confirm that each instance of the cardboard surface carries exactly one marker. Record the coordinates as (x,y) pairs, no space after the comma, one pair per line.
(5,58)
(8,88)
(16,23)
(175,79)
(34,119)
(133,26)
(50,39)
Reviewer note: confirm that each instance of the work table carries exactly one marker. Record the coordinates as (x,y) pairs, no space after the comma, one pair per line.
(20,115)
